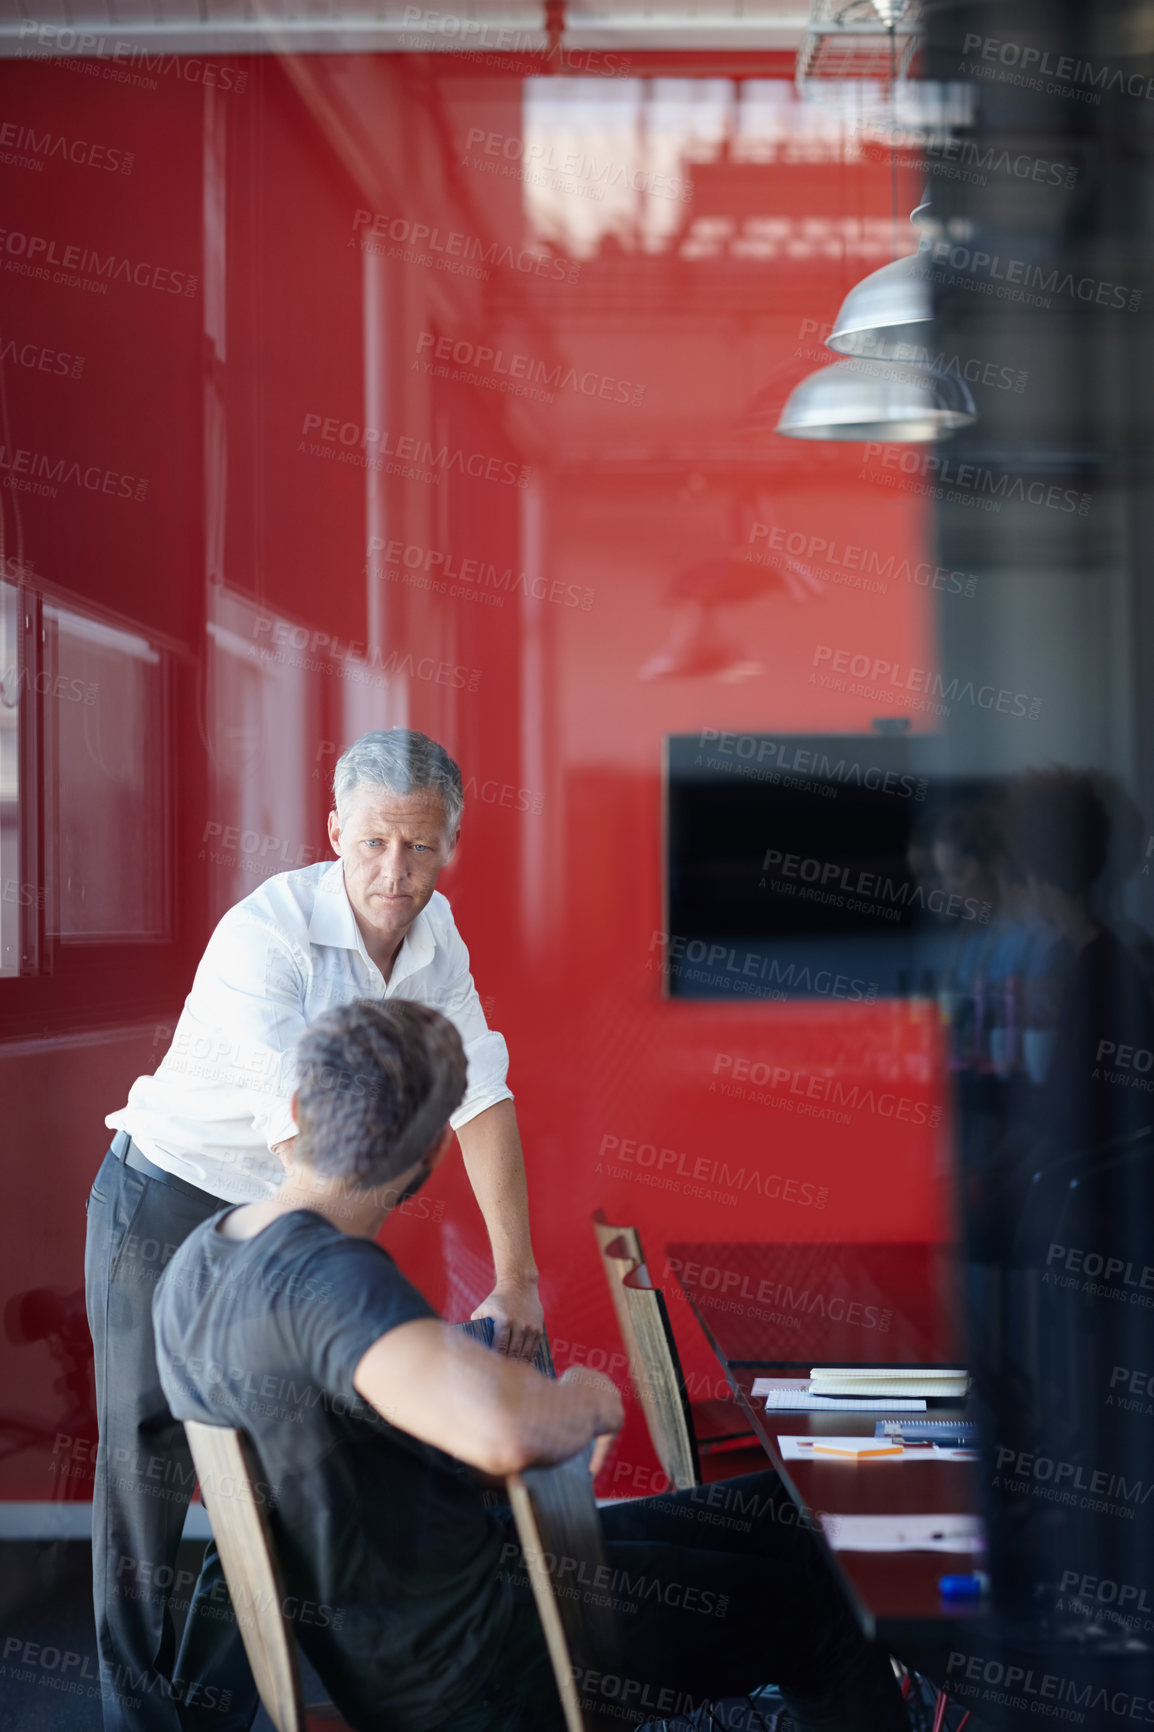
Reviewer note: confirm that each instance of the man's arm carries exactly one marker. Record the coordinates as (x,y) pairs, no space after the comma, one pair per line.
(493,1413)
(491,1148)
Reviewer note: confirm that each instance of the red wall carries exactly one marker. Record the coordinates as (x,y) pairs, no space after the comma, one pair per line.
(240,314)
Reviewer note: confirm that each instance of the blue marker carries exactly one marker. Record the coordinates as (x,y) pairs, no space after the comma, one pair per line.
(970,1587)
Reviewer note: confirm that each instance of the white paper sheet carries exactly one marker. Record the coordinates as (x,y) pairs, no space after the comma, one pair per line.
(904,1533)
(792,1395)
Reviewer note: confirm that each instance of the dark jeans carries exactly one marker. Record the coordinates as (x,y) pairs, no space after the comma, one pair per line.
(144,1480)
(717,1591)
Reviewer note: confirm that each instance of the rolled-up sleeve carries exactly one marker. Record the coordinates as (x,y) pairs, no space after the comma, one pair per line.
(485,1049)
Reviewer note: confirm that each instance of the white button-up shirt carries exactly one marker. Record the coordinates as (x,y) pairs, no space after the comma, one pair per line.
(221,1095)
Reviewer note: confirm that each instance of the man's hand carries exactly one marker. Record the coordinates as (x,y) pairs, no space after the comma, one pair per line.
(518,1319)
(616,1413)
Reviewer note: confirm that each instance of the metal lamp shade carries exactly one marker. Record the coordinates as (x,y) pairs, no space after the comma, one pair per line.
(876,400)
(887,315)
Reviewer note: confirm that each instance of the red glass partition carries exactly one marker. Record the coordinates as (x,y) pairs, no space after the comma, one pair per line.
(345,391)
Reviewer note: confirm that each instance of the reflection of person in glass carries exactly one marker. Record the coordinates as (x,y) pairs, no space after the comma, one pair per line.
(1124,861)
(1059,831)
(1002,976)
(210,1128)
(965,846)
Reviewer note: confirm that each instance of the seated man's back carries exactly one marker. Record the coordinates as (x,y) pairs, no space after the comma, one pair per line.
(391,1560)
(285,1319)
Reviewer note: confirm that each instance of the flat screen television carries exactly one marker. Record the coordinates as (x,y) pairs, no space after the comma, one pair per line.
(798,865)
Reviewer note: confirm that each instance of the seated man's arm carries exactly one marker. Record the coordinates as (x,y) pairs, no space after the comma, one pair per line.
(496,1414)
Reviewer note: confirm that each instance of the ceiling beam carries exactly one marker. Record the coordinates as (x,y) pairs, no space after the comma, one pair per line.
(270,34)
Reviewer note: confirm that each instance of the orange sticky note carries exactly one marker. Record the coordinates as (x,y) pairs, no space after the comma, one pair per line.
(865,1450)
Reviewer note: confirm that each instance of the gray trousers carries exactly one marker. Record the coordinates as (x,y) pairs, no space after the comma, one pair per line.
(144,1481)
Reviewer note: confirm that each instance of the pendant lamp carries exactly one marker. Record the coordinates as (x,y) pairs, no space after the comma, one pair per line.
(862,399)
(887,314)
(882,393)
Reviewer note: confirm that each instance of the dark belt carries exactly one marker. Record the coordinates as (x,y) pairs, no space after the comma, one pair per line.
(126,1150)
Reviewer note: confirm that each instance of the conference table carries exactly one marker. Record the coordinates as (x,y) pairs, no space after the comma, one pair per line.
(783,1309)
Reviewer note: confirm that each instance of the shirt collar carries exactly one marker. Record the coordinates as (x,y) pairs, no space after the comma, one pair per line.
(333,923)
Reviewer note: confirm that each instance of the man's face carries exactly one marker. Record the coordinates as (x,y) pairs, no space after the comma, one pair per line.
(394,847)
(423,1173)
(961,874)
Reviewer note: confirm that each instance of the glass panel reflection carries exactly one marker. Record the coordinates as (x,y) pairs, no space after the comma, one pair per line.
(10,686)
(106,788)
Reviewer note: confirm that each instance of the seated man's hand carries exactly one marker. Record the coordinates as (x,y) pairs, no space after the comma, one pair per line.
(615,1412)
(600,1451)
(518,1319)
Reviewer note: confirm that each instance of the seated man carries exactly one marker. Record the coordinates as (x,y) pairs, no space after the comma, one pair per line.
(287,1320)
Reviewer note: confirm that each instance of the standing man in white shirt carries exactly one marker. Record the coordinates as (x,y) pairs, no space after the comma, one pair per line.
(204,1132)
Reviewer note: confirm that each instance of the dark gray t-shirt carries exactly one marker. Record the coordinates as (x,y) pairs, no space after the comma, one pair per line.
(391,1560)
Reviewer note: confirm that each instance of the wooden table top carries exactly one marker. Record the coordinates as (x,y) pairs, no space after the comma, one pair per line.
(893,1593)
(767,1308)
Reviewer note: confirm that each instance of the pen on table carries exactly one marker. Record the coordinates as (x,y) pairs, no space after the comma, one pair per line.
(966,1534)
(968,1587)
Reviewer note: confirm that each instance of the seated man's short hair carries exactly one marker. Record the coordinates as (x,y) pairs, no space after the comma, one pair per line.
(376,1085)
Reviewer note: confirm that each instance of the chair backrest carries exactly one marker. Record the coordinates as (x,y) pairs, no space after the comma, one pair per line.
(560,1534)
(234,1498)
(620,1249)
(616,1244)
(662,1390)
(654,1367)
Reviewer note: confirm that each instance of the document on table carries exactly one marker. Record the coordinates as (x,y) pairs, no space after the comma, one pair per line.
(907,1382)
(792,1395)
(804,1449)
(904,1533)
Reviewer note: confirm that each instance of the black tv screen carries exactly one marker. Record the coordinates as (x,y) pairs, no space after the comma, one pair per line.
(797,865)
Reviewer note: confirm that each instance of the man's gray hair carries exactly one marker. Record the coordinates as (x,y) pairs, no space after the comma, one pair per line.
(401,761)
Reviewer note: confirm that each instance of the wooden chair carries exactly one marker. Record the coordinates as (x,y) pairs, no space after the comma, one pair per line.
(229,1482)
(683,1432)
(662,1394)
(557,1522)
